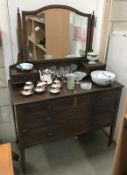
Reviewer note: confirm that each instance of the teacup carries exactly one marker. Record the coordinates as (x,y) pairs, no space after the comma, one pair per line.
(29,85)
(40,88)
(57,83)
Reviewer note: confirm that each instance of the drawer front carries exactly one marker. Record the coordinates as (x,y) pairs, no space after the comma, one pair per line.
(50,105)
(43,114)
(38,135)
(67,117)
(105,102)
(67,128)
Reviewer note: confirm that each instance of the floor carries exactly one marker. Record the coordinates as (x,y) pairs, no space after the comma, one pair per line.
(85,155)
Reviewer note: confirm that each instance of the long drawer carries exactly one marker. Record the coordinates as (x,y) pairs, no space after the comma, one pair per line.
(67,116)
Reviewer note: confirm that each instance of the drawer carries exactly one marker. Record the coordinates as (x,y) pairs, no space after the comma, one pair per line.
(103,119)
(38,135)
(71,126)
(36,120)
(104,106)
(86,99)
(66,129)
(104,96)
(51,105)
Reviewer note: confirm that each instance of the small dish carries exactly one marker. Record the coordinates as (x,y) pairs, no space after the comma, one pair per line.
(54,90)
(79,75)
(26,93)
(25,66)
(86,85)
(39,90)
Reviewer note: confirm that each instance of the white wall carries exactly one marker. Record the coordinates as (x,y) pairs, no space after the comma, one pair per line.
(117,51)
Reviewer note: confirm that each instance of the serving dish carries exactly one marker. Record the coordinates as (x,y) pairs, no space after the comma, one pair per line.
(103,78)
(79,75)
(25,66)
(86,85)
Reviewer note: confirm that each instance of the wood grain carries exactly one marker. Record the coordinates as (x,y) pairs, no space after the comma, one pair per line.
(6,166)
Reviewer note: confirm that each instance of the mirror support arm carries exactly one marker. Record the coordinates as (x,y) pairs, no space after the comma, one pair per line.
(21,52)
(90,49)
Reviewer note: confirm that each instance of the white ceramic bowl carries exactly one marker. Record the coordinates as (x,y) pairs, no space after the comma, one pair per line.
(25,66)
(103,78)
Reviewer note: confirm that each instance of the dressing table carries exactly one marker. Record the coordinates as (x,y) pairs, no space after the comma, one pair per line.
(45,117)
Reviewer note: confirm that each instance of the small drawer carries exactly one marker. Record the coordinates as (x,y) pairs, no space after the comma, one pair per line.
(52,105)
(103,119)
(38,135)
(37,120)
(86,99)
(104,96)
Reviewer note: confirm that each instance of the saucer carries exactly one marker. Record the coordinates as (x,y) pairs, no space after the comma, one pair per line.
(54,91)
(39,90)
(26,93)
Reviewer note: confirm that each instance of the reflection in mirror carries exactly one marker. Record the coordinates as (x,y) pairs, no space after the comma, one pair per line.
(55,33)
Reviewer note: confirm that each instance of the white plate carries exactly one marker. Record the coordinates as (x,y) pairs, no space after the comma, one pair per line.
(39,90)
(25,66)
(54,91)
(26,93)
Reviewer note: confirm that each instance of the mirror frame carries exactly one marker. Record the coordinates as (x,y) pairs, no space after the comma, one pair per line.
(22,43)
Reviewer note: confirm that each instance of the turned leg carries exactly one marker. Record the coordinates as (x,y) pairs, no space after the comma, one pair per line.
(22,154)
(112,128)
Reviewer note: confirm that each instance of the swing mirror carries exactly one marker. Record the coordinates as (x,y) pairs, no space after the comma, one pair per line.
(55,32)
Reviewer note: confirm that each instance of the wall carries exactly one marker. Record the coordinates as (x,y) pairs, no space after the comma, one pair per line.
(116,57)
(8,22)
(6,118)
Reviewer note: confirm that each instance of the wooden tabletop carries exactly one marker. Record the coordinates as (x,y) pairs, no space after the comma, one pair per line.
(17,98)
(6,165)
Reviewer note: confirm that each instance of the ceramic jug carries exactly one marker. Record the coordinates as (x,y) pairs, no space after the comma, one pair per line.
(46,75)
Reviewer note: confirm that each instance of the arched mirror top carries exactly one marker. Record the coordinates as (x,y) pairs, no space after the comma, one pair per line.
(54,32)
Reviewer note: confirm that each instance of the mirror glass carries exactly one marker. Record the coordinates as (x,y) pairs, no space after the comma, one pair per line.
(55,33)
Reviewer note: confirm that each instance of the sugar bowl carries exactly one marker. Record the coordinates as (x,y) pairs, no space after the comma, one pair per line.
(40,87)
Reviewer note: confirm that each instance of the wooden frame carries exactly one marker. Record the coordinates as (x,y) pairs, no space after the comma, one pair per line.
(105,30)
(23,46)
(120,159)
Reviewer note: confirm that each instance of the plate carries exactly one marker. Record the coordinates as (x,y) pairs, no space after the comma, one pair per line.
(26,93)
(39,90)
(54,91)
(25,66)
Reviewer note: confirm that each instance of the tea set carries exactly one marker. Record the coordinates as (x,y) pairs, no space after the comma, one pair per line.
(52,85)
(40,87)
